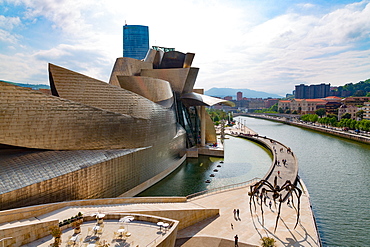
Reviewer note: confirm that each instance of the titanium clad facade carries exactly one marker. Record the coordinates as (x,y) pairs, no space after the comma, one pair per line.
(135,41)
(92,139)
(31,177)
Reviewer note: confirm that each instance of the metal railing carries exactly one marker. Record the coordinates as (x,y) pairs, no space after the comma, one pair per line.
(223,188)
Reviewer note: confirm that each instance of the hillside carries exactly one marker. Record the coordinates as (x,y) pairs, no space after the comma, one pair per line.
(248,93)
(33,86)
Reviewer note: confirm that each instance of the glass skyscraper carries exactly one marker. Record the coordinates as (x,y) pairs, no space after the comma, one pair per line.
(135,41)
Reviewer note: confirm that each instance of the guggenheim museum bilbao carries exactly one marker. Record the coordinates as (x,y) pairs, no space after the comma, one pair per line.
(93,139)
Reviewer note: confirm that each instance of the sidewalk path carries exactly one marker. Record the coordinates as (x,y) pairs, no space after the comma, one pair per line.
(249,228)
(220,230)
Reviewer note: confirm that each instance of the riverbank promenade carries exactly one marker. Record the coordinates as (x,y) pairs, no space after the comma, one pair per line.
(285,165)
(206,220)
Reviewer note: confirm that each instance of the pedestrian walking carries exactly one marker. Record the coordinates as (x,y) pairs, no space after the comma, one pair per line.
(237,212)
(232,226)
(234,212)
(279,173)
(236,240)
(270,204)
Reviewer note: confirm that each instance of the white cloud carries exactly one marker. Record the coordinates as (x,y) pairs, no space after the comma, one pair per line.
(7,37)
(22,67)
(8,23)
(235,45)
(280,52)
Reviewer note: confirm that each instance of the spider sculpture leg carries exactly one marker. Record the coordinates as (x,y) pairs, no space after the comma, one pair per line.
(251,198)
(278,216)
(298,194)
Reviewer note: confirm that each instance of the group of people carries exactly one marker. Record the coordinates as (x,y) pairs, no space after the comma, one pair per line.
(236,214)
(284,162)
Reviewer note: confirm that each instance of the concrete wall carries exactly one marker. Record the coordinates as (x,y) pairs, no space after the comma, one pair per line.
(35,211)
(30,232)
(26,233)
(185,217)
(354,137)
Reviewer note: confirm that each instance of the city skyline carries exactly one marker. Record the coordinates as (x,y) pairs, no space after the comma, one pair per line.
(265,45)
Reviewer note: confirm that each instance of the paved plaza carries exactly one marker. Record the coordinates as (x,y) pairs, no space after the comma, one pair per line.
(215,231)
(218,230)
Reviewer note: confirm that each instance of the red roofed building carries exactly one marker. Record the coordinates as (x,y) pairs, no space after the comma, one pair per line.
(302,106)
(311,105)
(333,99)
(284,104)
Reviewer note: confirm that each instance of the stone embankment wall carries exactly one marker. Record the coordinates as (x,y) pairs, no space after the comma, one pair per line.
(355,137)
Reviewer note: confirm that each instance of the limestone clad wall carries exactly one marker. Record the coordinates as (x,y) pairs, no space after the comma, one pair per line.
(22,235)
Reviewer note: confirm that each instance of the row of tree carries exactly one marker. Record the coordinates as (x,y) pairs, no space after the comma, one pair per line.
(343,123)
(218,115)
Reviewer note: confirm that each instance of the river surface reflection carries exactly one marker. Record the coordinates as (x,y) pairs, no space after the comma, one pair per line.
(243,161)
(336,172)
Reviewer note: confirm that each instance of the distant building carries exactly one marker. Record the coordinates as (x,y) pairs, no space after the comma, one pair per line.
(270,102)
(351,109)
(239,96)
(228,98)
(256,104)
(312,91)
(366,109)
(135,41)
(332,107)
(333,99)
(355,101)
(302,106)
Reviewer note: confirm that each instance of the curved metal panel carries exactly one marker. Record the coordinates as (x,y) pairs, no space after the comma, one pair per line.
(127,66)
(190,80)
(210,130)
(154,57)
(89,91)
(36,120)
(156,90)
(172,59)
(178,78)
(189,57)
(196,99)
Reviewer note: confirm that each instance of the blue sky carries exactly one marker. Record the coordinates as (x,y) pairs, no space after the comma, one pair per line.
(263,45)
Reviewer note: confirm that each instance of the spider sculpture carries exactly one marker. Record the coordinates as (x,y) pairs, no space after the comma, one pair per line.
(276,191)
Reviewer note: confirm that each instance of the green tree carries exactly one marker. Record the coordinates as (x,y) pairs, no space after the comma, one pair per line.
(309,118)
(281,110)
(333,121)
(314,118)
(274,108)
(360,114)
(346,115)
(359,93)
(320,112)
